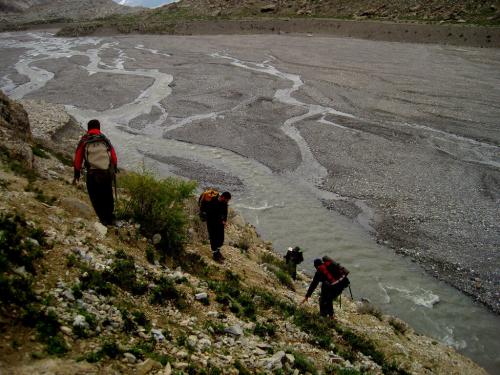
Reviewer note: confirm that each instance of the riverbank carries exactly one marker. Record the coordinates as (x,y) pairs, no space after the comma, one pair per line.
(453,34)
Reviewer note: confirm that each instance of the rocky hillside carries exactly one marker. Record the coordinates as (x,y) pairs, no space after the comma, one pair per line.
(473,11)
(81,298)
(43,11)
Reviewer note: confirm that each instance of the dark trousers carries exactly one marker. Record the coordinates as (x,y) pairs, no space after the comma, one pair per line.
(328,294)
(326,300)
(100,189)
(215,234)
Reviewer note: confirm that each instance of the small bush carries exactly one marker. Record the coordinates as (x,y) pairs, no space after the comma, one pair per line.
(398,325)
(40,152)
(279,268)
(165,290)
(95,280)
(304,364)
(158,205)
(242,369)
(264,329)
(123,274)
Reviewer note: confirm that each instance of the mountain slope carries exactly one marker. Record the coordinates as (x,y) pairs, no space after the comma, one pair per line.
(51,10)
(80,298)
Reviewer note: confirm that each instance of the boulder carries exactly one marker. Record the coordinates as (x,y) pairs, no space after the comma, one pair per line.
(77,207)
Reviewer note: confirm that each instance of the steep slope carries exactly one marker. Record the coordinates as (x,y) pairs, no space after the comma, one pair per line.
(80,298)
(425,10)
(52,10)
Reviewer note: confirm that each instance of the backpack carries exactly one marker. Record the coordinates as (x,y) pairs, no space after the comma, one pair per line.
(334,272)
(97,153)
(205,197)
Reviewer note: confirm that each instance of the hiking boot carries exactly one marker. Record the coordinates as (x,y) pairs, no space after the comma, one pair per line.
(217,256)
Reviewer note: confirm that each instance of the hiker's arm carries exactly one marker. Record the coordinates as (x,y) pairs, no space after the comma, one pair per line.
(312,287)
(114,159)
(78,160)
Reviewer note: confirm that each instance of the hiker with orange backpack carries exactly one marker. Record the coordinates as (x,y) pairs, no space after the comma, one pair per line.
(97,155)
(213,210)
(333,279)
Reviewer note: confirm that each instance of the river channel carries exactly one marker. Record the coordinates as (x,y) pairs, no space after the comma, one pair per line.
(174,102)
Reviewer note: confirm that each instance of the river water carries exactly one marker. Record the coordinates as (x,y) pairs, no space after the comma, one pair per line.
(285,207)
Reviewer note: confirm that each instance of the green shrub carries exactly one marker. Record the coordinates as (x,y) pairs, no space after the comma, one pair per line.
(319,328)
(264,329)
(20,246)
(123,274)
(158,206)
(165,290)
(95,280)
(304,364)
(242,369)
(40,152)
(278,266)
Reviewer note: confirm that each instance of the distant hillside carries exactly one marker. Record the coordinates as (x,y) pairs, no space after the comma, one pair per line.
(474,11)
(23,11)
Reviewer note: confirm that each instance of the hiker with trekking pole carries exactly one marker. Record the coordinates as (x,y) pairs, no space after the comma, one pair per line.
(97,155)
(333,279)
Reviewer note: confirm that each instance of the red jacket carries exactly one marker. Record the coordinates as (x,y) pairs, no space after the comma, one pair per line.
(80,150)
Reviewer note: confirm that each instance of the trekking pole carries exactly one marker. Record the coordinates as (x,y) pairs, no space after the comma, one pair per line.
(350,292)
(340,301)
(116,190)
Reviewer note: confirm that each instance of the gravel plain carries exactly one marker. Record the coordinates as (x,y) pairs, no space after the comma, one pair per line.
(409,129)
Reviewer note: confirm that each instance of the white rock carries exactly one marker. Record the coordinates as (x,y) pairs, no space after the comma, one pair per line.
(129,358)
(201,296)
(101,229)
(234,330)
(157,335)
(80,321)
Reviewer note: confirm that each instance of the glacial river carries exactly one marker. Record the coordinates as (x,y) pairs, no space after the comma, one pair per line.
(286,207)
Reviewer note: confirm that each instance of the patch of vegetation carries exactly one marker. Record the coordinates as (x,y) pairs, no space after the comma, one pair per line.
(265,329)
(398,325)
(319,328)
(231,294)
(165,290)
(279,268)
(40,152)
(242,369)
(15,164)
(108,349)
(48,332)
(95,280)
(123,274)
(158,206)
(40,195)
(20,246)
(303,363)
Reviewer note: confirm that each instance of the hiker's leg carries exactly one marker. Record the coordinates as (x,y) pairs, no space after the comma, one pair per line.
(326,301)
(212,236)
(94,193)
(102,195)
(108,202)
(220,235)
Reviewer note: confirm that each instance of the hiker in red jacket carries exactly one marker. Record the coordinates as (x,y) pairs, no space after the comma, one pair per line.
(333,279)
(97,155)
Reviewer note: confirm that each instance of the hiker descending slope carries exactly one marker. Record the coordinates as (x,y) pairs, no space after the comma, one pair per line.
(98,157)
(213,209)
(293,257)
(333,278)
